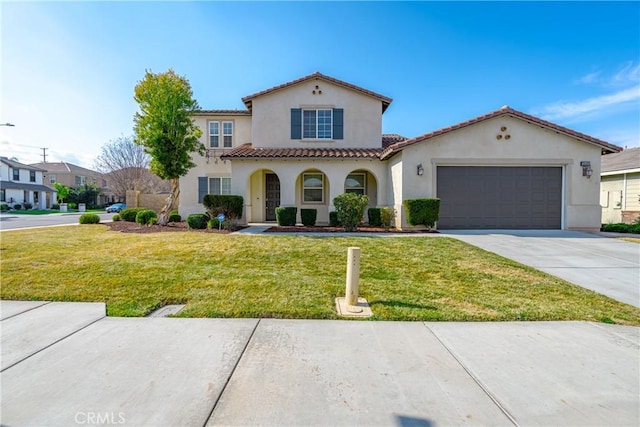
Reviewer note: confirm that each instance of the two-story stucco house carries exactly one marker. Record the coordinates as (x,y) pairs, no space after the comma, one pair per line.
(20,183)
(74,176)
(304,142)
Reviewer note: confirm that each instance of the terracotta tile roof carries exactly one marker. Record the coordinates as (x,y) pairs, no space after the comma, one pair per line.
(391,138)
(624,160)
(504,111)
(222,113)
(246,151)
(319,76)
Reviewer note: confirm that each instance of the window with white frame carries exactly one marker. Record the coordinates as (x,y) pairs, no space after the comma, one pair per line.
(313,187)
(214,135)
(52,179)
(317,124)
(16,174)
(32,176)
(227,134)
(219,185)
(355,183)
(81,180)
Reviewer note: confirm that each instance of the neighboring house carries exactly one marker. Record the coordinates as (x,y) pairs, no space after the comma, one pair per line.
(74,176)
(304,142)
(620,186)
(20,183)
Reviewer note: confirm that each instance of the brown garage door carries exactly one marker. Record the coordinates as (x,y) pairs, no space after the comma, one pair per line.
(483,197)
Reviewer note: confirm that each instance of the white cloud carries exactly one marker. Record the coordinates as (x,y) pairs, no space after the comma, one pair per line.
(589,78)
(564,110)
(630,73)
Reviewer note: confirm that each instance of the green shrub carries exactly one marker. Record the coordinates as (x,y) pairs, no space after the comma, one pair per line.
(229,205)
(621,227)
(387,217)
(55,206)
(333,219)
(286,216)
(308,217)
(197,221)
(17,206)
(116,218)
(350,208)
(375,219)
(89,219)
(71,205)
(4,207)
(129,214)
(422,211)
(144,217)
(174,217)
(27,206)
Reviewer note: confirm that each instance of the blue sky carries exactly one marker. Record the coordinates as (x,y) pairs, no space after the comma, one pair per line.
(68,69)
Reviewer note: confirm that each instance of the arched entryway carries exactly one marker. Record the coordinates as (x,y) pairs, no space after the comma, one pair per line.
(361,181)
(272,195)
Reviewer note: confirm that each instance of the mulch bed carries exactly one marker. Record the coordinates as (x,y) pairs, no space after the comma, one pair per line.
(132,227)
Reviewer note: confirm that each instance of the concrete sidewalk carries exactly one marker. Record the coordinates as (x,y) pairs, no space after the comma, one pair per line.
(195,372)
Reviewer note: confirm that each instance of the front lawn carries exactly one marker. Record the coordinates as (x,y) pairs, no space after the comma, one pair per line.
(405,278)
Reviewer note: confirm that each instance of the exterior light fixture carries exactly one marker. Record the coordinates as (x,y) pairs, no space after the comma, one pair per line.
(420,170)
(586,168)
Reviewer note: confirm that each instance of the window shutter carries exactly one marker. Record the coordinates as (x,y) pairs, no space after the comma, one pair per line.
(338,123)
(296,123)
(202,188)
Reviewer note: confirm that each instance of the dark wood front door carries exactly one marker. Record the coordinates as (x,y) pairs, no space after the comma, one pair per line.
(272,200)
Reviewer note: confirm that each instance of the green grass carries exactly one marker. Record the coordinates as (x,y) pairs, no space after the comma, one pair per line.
(409,278)
(32,212)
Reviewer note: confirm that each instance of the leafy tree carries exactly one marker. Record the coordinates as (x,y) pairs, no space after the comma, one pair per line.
(63,191)
(350,209)
(125,165)
(164,127)
(87,194)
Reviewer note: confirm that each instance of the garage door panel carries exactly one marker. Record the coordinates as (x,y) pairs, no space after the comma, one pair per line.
(499,197)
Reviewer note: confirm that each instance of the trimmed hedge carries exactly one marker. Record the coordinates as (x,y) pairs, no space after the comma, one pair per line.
(17,206)
(388,216)
(333,219)
(350,208)
(129,214)
(4,207)
(116,218)
(422,211)
(621,228)
(375,218)
(231,206)
(146,217)
(286,216)
(174,217)
(27,206)
(89,219)
(308,217)
(197,221)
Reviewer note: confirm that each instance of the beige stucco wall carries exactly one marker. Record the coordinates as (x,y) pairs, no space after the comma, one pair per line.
(619,193)
(528,145)
(248,181)
(212,167)
(272,116)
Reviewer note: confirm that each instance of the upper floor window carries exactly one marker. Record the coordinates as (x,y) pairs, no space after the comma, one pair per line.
(16,174)
(104,183)
(316,124)
(52,179)
(81,180)
(32,176)
(319,123)
(214,135)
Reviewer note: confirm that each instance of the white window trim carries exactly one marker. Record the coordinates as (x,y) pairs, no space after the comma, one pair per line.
(213,134)
(52,179)
(210,188)
(316,138)
(13,174)
(364,182)
(225,134)
(313,188)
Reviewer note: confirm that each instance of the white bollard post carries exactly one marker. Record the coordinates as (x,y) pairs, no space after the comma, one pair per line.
(353,279)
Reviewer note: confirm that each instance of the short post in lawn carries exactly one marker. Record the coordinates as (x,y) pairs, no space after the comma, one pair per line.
(353,280)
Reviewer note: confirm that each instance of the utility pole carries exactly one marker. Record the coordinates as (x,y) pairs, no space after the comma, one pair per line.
(44,154)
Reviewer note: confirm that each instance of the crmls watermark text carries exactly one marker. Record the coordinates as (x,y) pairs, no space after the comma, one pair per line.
(99,418)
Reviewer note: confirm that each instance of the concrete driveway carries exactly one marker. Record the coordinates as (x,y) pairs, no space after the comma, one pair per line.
(68,364)
(604,265)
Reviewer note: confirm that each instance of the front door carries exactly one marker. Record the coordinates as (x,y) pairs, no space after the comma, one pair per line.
(272,200)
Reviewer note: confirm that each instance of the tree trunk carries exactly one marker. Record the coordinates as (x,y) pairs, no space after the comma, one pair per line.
(163,216)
